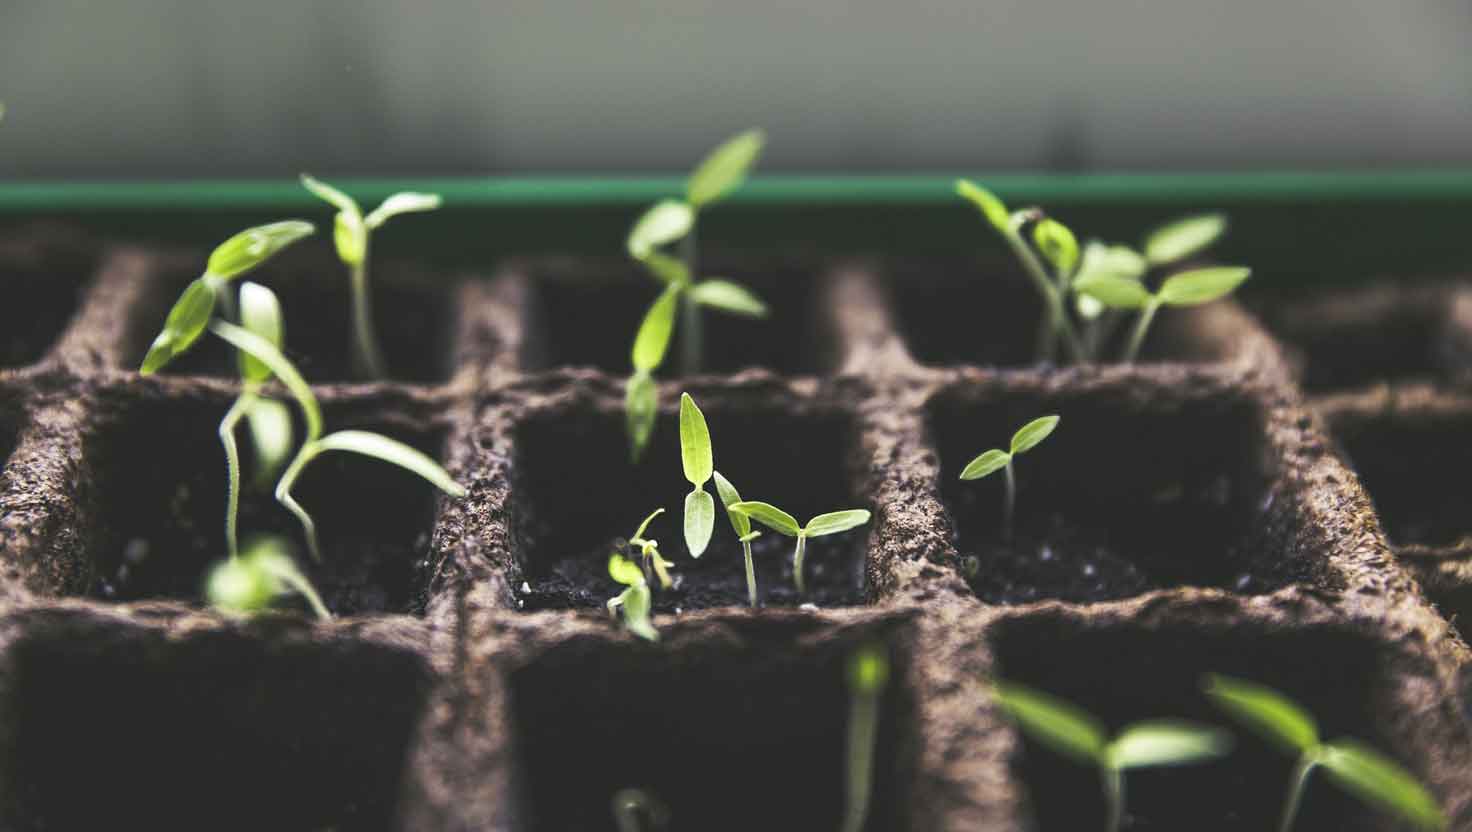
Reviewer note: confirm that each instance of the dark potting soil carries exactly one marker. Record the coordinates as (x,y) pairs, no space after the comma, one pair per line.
(43,279)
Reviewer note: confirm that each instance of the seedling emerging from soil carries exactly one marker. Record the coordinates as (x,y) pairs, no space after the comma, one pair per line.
(260,577)
(231,259)
(1189,288)
(654,564)
(868,674)
(696,458)
(1068,730)
(741,524)
(1025,439)
(633,602)
(636,810)
(354,441)
(783,523)
(1357,769)
(667,222)
(350,235)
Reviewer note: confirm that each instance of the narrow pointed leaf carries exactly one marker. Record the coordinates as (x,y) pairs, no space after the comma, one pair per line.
(728,297)
(664,222)
(1031,434)
(1202,285)
(695,450)
(406,202)
(836,521)
(740,523)
(1379,780)
(1057,244)
(1265,711)
(269,424)
(185,323)
(700,521)
(1183,238)
(987,462)
(1113,291)
(331,195)
(1167,742)
(624,571)
(653,338)
(991,207)
(770,516)
(254,246)
(267,353)
(725,168)
(1056,723)
(260,312)
(641,406)
(395,452)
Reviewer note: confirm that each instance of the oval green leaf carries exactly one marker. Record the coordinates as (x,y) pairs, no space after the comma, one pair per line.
(1058,724)
(260,312)
(636,612)
(1029,435)
(1377,779)
(1113,291)
(992,208)
(652,340)
(406,202)
(836,521)
(1184,237)
(725,168)
(695,451)
(770,516)
(624,571)
(392,451)
(1202,285)
(988,462)
(1057,244)
(1167,742)
(1265,711)
(740,523)
(1116,260)
(641,406)
(728,297)
(665,221)
(700,521)
(254,246)
(186,321)
(331,195)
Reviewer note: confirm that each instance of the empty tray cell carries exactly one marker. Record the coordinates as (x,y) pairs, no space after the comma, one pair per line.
(42,273)
(116,726)
(587,313)
(576,495)
(1139,488)
(1122,672)
(744,731)
(160,491)
(1383,332)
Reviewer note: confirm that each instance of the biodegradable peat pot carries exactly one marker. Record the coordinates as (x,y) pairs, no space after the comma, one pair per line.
(1190,515)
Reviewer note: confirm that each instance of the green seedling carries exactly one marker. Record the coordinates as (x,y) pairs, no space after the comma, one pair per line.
(783,523)
(353,441)
(653,563)
(259,577)
(1073,733)
(868,674)
(1359,770)
(666,223)
(1025,439)
(637,810)
(1188,288)
(350,235)
(696,459)
(635,601)
(741,524)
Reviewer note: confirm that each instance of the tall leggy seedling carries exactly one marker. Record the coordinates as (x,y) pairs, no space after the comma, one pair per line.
(1068,730)
(1357,769)
(1025,439)
(783,523)
(350,235)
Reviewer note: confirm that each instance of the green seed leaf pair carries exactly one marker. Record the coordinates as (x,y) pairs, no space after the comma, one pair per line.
(833,522)
(1189,288)
(698,461)
(351,228)
(668,220)
(1026,438)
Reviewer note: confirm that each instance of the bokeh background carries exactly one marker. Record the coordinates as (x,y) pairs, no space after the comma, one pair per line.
(147,89)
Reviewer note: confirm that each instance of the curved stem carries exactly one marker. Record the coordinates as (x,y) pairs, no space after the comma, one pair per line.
(283,496)
(1114,796)
(366,355)
(802,541)
(750,573)
(862,726)
(232,467)
(691,340)
(1296,786)
(292,577)
(1137,338)
(1009,504)
(1057,320)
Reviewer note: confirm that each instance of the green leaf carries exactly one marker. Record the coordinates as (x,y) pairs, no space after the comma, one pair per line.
(1087,306)
(664,222)
(740,523)
(394,452)
(1184,237)
(652,340)
(269,422)
(260,312)
(331,195)
(350,238)
(186,321)
(636,612)
(641,406)
(991,207)
(1113,291)
(1380,780)
(1058,724)
(728,297)
(666,268)
(1114,260)
(700,521)
(240,586)
(1201,285)
(725,168)
(1266,711)
(254,246)
(1031,434)
(644,526)
(868,669)
(1167,742)
(1057,244)
(268,354)
(695,450)
(988,462)
(836,521)
(770,516)
(624,571)
(406,202)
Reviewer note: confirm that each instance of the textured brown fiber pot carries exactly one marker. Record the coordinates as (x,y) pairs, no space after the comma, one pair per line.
(1193,513)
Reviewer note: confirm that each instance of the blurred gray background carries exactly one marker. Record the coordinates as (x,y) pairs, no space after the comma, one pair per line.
(265,88)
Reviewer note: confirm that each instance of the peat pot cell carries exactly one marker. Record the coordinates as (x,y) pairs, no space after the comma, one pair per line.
(42,283)
(115,728)
(734,734)
(576,495)
(161,492)
(1414,467)
(589,318)
(1123,498)
(1383,332)
(1122,673)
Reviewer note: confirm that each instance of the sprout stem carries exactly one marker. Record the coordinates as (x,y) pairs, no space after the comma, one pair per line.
(1137,338)
(1301,770)
(283,496)
(802,540)
(366,356)
(292,577)
(1055,316)
(1114,797)
(691,342)
(750,573)
(863,724)
(232,466)
(1009,504)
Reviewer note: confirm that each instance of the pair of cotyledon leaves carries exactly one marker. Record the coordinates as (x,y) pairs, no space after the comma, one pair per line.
(1025,439)
(350,228)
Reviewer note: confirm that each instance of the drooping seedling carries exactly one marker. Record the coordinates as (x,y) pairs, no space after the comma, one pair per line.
(635,601)
(1188,288)
(697,460)
(1068,730)
(1025,439)
(868,675)
(259,577)
(741,524)
(638,810)
(673,221)
(350,235)
(783,523)
(1357,769)
(654,564)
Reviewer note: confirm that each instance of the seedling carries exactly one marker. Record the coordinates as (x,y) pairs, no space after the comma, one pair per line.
(1068,730)
(634,601)
(1189,288)
(350,235)
(653,563)
(741,524)
(868,674)
(673,221)
(1025,439)
(696,459)
(1359,770)
(258,578)
(637,810)
(783,523)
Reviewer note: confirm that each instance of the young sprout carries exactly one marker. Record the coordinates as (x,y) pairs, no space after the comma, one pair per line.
(1188,288)
(1025,439)
(1365,773)
(741,524)
(255,580)
(667,222)
(783,523)
(233,258)
(696,459)
(353,441)
(634,601)
(637,810)
(350,235)
(868,674)
(653,562)
(1068,730)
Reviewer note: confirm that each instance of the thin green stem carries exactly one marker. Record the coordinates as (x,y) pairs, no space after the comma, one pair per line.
(283,496)
(802,541)
(1009,503)
(228,424)
(750,573)
(692,338)
(1114,797)
(1301,770)
(1137,338)
(366,355)
(1056,316)
(863,723)
(292,577)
